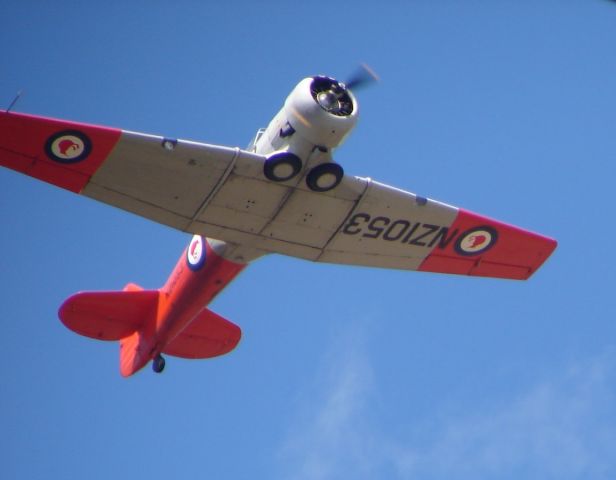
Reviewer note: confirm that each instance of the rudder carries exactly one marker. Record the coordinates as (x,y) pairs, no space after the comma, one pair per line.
(134,353)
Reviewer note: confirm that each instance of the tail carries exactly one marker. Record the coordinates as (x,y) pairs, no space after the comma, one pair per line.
(118,315)
(130,316)
(134,353)
(136,349)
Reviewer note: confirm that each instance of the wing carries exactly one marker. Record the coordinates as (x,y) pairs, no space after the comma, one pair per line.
(392,228)
(221,192)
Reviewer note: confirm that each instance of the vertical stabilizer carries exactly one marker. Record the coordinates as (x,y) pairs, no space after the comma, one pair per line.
(134,353)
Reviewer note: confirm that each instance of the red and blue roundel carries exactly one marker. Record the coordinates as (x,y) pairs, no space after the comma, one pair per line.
(68,146)
(476,240)
(196,253)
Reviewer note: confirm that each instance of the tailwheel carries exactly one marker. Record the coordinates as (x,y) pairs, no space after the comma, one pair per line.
(158,364)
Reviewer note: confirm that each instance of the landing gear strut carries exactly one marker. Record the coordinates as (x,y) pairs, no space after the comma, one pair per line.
(158,364)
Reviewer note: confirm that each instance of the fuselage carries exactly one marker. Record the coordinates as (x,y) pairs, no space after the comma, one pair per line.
(200,274)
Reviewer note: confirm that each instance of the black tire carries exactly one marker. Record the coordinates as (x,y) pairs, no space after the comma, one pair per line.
(324,177)
(282,166)
(158,364)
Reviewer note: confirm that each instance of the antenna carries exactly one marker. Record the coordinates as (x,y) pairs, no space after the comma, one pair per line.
(14,101)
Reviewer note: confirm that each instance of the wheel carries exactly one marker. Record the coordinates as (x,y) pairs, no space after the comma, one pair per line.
(324,177)
(158,364)
(282,166)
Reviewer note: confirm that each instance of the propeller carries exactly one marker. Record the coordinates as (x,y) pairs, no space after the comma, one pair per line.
(333,96)
(361,78)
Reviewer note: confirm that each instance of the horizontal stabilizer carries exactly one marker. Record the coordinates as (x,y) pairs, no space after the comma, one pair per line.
(208,335)
(108,315)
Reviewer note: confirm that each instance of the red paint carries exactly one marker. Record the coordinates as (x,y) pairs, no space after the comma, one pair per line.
(22,148)
(171,320)
(108,315)
(477,240)
(65,145)
(193,247)
(516,254)
(182,298)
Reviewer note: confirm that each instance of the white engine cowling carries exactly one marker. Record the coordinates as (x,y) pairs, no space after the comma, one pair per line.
(319,112)
(316,117)
(322,111)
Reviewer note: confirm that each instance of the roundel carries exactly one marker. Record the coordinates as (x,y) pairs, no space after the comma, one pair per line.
(476,240)
(68,146)
(195,253)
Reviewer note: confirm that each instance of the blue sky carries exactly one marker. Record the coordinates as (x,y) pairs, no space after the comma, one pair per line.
(504,108)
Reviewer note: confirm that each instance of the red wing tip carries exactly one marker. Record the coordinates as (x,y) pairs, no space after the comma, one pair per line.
(484,247)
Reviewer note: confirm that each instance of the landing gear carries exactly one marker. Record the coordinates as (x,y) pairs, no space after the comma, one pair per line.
(282,166)
(158,364)
(324,177)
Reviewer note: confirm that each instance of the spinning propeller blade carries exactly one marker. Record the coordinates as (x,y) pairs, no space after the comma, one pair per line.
(362,77)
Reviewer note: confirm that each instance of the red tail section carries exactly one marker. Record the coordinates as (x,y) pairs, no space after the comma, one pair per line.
(127,316)
(208,335)
(135,353)
(131,316)
(108,315)
(171,320)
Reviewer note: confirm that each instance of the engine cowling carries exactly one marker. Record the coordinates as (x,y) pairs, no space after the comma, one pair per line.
(316,117)
(319,112)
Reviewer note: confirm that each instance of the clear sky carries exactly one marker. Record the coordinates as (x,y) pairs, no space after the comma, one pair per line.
(506,108)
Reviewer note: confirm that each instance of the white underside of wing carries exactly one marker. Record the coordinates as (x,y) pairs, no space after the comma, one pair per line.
(221,192)
(382,227)
(167,186)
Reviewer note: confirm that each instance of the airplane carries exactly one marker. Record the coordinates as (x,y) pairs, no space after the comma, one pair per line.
(282,194)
